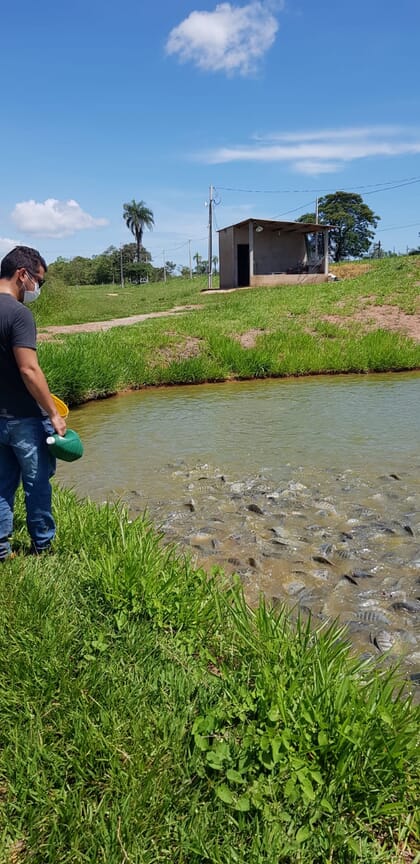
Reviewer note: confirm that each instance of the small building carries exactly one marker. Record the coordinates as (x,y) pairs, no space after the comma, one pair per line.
(262,252)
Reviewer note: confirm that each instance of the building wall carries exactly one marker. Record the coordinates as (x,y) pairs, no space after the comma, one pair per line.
(275,279)
(227,259)
(277,254)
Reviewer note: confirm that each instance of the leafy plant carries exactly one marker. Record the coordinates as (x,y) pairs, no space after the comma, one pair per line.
(306,736)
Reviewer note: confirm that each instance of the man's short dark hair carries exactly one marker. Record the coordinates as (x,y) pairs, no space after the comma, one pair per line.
(21,256)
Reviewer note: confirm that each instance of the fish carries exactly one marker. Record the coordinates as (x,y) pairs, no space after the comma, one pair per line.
(370,616)
(322,559)
(254,508)
(350,578)
(407,606)
(383,640)
(357,574)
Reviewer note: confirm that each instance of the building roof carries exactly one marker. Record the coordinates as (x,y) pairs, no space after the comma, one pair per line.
(272,225)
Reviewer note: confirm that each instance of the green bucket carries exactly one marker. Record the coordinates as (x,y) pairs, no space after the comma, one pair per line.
(67,447)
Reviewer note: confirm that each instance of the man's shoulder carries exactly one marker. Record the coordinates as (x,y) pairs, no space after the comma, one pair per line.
(17,324)
(12,309)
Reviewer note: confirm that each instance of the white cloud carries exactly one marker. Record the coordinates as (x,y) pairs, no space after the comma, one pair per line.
(331,134)
(320,151)
(6,244)
(229,39)
(315,166)
(53,218)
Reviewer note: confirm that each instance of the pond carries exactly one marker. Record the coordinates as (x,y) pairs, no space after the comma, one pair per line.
(308,488)
(368,423)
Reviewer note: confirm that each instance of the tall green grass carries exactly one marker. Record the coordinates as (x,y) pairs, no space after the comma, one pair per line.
(149,716)
(291,335)
(94,365)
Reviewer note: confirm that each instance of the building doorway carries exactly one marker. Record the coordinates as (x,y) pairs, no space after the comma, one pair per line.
(243,264)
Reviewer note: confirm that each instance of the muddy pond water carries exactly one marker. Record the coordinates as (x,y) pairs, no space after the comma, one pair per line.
(308,488)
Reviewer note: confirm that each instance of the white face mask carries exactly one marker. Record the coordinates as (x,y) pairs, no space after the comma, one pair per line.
(30,296)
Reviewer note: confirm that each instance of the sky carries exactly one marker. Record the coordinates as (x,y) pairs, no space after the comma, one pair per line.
(271,103)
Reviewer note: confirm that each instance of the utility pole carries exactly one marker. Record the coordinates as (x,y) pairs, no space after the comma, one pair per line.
(164,265)
(189,257)
(210,262)
(121,268)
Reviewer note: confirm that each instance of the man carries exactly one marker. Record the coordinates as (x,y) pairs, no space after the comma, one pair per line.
(27,410)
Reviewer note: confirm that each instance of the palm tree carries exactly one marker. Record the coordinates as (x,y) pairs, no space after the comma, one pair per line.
(137,217)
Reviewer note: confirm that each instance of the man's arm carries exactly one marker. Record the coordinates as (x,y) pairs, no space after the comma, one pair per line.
(36,382)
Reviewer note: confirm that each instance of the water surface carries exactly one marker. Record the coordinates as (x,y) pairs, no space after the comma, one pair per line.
(367,423)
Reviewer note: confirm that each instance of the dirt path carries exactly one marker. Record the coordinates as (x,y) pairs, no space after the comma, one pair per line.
(369,316)
(46,333)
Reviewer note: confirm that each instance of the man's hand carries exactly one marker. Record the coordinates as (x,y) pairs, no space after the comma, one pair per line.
(58,423)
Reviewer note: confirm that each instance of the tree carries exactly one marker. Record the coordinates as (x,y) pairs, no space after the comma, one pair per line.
(137,217)
(139,272)
(201,264)
(377,251)
(129,253)
(352,221)
(105,269)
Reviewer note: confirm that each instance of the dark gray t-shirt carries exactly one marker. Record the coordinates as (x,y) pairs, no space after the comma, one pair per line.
(17,330)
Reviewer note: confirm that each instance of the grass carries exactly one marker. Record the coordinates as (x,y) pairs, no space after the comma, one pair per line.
(61,304)
(148,716)
(391,280)
(292,336)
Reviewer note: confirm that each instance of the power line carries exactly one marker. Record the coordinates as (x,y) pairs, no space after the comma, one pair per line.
(397,186)
(295,209)
(386,184)
(397,227)
(184,243)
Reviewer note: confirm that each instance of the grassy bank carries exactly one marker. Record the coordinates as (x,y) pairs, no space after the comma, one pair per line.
(149,716)
(391,280)
(246,334)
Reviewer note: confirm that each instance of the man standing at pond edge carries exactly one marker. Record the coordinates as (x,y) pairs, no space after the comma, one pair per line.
(28,413)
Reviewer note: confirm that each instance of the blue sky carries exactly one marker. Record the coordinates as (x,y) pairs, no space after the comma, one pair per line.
(272,102)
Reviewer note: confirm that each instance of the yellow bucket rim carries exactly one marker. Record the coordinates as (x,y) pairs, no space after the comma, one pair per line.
(61,406)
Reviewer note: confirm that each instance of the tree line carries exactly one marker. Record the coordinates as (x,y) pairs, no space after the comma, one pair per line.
(111,267)
(131,262)
(114,266)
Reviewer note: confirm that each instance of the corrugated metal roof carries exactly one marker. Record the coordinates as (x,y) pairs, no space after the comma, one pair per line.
(272,225)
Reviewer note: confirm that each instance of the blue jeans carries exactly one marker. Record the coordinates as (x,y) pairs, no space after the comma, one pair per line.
(24,455)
